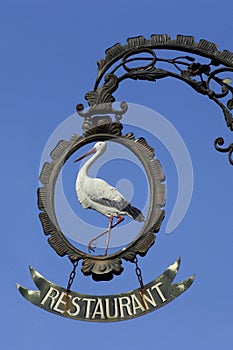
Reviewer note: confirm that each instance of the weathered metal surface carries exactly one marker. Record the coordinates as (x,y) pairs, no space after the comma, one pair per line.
(108,308)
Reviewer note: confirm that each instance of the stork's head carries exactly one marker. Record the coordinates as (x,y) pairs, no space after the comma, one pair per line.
(99,147)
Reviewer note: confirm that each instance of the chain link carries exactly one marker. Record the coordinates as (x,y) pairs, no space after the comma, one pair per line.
(138,273)
(72,276)
(69,284)
(140,280)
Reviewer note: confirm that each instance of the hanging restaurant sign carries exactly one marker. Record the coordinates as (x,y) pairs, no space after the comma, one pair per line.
(101,126)
(109,308)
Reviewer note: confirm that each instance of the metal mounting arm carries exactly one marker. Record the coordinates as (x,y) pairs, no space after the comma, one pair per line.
(202,70)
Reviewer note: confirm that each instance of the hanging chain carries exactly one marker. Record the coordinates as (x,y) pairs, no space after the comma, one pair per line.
(72,276)
(69,284)
(140,280)
(138,273)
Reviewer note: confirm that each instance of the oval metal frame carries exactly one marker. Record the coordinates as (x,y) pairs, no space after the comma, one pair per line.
(102,267)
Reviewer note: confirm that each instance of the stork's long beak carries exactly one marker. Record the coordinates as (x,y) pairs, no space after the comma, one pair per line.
(93,150)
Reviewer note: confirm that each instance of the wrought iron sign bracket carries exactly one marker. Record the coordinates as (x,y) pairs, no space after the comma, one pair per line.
(201,70)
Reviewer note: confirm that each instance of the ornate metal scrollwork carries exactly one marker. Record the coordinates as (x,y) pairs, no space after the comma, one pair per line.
(198,70)
(220,142)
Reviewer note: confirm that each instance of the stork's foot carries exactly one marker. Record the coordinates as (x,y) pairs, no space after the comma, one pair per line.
(92,245)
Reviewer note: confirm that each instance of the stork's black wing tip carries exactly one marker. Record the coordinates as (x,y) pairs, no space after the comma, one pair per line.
(135,213)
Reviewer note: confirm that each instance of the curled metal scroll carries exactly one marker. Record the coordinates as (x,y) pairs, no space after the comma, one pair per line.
(197,70)
(220,142)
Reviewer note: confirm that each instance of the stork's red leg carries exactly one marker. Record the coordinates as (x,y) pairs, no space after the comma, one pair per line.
(108,235)
(120,219)
(92,243)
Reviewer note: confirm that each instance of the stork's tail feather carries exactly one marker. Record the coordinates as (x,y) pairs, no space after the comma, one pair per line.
(133,212)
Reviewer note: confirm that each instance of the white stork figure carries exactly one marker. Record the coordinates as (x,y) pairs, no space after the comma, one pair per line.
(95,193)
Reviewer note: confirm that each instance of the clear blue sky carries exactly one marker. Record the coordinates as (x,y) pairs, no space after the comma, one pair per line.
(48,59)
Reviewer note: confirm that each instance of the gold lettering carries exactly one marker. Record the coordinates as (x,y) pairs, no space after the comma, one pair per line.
(148,299)
(136,304)
(61,301)
(88,307)
(124,306)
(159,291)
(99,310)
(108,307)
(51,294)
(77,307)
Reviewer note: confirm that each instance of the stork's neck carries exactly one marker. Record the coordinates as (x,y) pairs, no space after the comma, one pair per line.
(84,169)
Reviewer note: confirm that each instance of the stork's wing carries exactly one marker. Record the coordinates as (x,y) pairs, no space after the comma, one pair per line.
(106,195)
(100,192)
(118,205)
